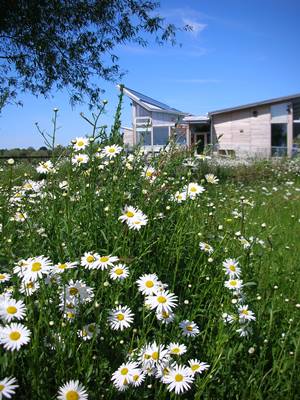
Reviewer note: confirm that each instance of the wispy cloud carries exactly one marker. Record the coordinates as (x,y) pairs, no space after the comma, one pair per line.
(196,27)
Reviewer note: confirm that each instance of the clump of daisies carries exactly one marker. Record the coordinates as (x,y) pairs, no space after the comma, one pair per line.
(133,217)
(242,314)
(190,191)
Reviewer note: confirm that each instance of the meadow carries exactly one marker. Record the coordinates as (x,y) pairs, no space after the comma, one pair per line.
(127,278)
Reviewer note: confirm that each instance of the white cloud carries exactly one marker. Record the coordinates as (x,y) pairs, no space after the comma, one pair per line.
(197,27)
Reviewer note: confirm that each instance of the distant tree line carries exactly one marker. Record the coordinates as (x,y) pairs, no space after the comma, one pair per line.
(31,152)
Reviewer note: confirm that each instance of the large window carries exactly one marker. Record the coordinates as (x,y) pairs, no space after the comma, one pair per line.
(144,137)
(160,135)
(279,139)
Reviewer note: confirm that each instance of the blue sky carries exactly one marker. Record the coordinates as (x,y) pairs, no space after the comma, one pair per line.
(239,51)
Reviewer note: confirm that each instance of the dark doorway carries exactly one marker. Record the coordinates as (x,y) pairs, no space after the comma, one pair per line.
(279,139)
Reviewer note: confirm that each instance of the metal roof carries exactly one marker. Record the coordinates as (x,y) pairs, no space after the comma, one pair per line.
(193,119)
(259,103)
(150,104)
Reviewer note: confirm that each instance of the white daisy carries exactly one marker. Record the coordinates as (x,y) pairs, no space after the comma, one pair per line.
(193,189)
(189,328)
(138,378)
(178,379)
(211,178)
(14,336)
(124,375)
(234,284)
(179,197)
(207,248)
(28,288)
(12,309)
(149,173)
(4,277)
(80,143)
(162,301)
(177,349)
(111,151)
(120,318)
(245,314)
(148,284)
(80,159)
(45,167)
(7,387)
(88,331)
(129,212)
(89,260)
(72,390)
(106,261)
(20,216)
(197,367)
(137,222)
(231,268)
(154,355)
(62,267)
(119,272)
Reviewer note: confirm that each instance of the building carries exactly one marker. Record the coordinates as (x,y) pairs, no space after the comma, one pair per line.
(265,128)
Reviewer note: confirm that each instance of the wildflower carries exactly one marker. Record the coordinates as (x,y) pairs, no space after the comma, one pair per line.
(10,161)
(149,173)
(211,178)
(28,288)
(35,268)
(4,277)
(129,212)
(45,167)
(120,318)
(138,378)
(137,222)
(119,272)
(20,216)
(62,267)
(245,314)
(14,336)
(148,284)
(88,331)
(154,355)
(189,328)
(177,349)
(207,248)
(178,379)
(231,268)
(80,159)
(197,367)
(162,301)
(111,151)
(80,143)
(124,375)
(11,309)
(89,260)
(227,318)
(165,317)
(244,331)
(234,284)
(7,387)
(104,261)
(193,189)
(72,390)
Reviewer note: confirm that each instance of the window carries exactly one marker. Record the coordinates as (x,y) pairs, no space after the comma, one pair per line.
(160,135)
(279,139)
(144,136)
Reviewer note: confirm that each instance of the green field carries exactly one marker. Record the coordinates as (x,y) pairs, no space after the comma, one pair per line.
(251,217)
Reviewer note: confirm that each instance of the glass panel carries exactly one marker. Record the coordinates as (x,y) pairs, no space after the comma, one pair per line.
(144,137)
(160,135)
(296,138)
(279,139)
(179,135)
(279,112)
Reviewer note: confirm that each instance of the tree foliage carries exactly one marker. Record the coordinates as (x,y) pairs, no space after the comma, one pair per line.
(55,44)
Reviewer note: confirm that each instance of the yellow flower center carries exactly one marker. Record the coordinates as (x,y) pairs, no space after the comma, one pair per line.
(232,268)
(129,214)
(73,291)
(149,284)
(36,266)
(165,314)
(178,378)
(80,159)
(11,310)
(155,355)
(104,259)
(2,277)
(70,315)
(195,367)
(62,266)
(176,350)
(29,285)
(233,283)
(90,259)
(149,173)
(91,328)
(189,328)
(72,395)
(111,150)
(15,335)
(135,377)
(245,312)
(119,271)
(1,387)
(80,143)
(124,371)
(120,317)
(193,189)
(161,299)
(147,356)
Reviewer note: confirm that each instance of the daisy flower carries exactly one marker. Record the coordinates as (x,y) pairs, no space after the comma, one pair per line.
(179,197)
(88,331)
(20,216)
(162,301)
(137,222)
(193,189)
(197,367)
(7,387)
(106,261)
(89,260)
(227,318)
(211,178)
(28,288)
(177,349)
(129,212)
(148,284)
(245,314)
(111,151)
(14,336)
(124,375)
(45,167)
(165,317)
(149,173)
(80,143)
(119,272)
(80,159)
(207,248)
(4,277)
(36,268)
(154,355)
(138,378)
(72,390)
(231,268)
(78,290)
(234,284)
(189,328)
(62,267)
(178,379)
(120,318)
(11,309)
